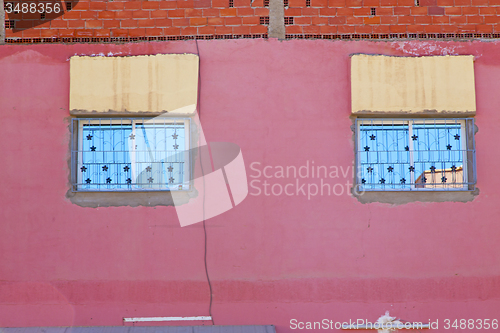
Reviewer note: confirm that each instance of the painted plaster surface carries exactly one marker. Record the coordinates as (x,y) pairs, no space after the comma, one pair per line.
(156,83)
(412,84)
(274,257)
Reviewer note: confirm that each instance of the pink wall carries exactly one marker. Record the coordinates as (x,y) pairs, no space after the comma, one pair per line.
(272,258)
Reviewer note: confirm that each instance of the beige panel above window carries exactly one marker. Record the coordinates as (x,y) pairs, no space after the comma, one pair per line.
(151,84)
(407,85)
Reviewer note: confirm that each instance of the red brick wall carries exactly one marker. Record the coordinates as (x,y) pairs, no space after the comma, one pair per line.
(99,20)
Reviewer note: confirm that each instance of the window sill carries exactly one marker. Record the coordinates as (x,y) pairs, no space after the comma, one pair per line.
(404,197)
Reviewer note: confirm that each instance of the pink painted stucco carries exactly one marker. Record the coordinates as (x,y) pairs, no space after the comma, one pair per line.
(272,258)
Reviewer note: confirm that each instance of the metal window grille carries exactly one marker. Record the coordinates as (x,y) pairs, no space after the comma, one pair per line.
(130,154)
(415,154)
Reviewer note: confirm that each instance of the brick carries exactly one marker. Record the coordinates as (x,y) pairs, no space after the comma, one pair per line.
(83,33)
(371,20)
(487,19)
(458,19)
(406,3)
(141,14)
(401,11)
(423,20)
(432,29)
(345,29)
(115,5)
(197,21)
(154,31)
(185,4)
(353,3)
(319,20)
(496,28)
(336,3)
(97,5)
(180,22)
(258,29)
(191,12)
(462,2)
(210,12)
(66,33)
(293,29)
(123,15)
(388,20)
(81,5)
(470,11)
(132,5)
(440,19)
(254,20)
(426,3)
(48,32)
(263,11)
(72,15)
(153,4)
(201,4)
(446,3)
(89,24)
(110,24)
(102,32)
(217,21)
(364,29)
(227,12)
(206,30)
(328,11)
(139,32)
(310,29)
(258,3)
(397,29)
(362,11)
(241,3)
(189,31)
(484,28)
(449,28)
(292,11)
(487,11)
(172,4)
(481,19)
(310,11)
(58,24)
(159,13)
(245,12)
(354,20)
(435,10)
(232,21)
(480,2)
(106,15)
(128,23)
(328,30)
(371,3)
(176,13)
(406,20)
(385,11)
(296,3)
(419,11)
(319,3)
(390,3)
(163,23)
(337,20)
(88,15)
(241,30)
(302,20)
(453,11)
(344,12)
(467,28)
(226,30)
(220,4)
(381,29)
(33,33)
(76,24)
(172,31)
(146,23)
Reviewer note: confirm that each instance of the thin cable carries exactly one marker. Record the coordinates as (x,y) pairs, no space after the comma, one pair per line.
(203,174)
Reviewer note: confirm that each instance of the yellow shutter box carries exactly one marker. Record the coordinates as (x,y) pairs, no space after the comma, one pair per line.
(137,84)
(412,85)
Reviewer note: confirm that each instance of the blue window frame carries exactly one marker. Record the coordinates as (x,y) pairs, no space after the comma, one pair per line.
(415,154)
(127,154)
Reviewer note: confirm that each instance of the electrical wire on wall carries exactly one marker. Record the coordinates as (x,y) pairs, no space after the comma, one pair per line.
(203,173)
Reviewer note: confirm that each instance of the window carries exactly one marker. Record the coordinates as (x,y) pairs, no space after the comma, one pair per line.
(130,154)
(415,154)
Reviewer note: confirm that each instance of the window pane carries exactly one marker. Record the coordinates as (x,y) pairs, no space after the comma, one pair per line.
(383,154)
(438,153)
